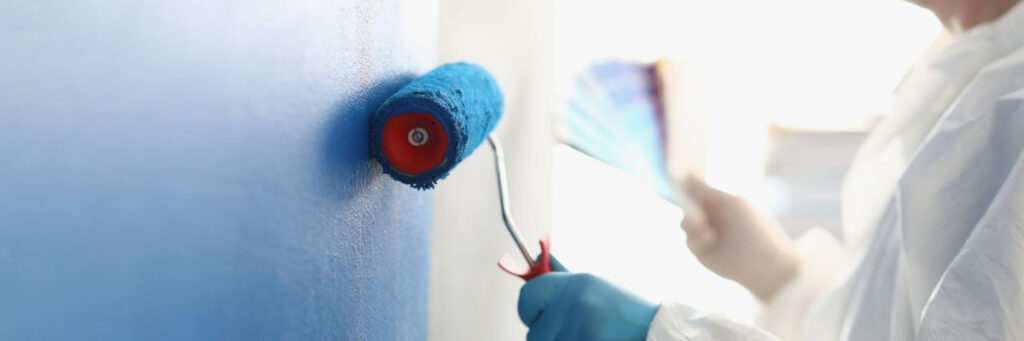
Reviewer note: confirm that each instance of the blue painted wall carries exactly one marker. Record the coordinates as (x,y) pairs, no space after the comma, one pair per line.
(188,170)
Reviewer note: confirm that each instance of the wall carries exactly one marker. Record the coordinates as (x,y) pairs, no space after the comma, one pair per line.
(199,170)
(470,298)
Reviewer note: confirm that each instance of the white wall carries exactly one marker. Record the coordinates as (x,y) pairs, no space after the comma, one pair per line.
(470,298)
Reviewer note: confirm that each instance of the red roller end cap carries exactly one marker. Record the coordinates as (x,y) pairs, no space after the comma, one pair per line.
(414,142)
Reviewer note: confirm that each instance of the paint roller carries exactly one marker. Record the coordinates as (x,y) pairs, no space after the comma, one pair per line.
(424,130)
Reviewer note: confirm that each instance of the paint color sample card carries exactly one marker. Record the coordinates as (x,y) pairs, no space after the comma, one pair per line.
(614,115)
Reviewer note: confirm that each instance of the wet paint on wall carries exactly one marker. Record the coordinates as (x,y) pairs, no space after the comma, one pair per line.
(197,170)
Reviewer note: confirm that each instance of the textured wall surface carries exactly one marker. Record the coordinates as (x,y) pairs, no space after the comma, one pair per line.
(199,170)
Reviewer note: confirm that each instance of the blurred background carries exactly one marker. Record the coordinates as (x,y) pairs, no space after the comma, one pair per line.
(787,90)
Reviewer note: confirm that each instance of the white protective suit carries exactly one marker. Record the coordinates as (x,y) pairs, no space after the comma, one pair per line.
(933,215)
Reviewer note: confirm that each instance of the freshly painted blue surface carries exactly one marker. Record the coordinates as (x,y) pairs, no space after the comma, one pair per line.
(186,170)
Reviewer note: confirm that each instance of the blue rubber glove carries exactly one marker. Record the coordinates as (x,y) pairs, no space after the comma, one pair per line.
(566,306)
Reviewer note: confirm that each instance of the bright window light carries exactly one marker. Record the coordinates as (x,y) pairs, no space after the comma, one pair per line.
(608,223)
(804,63)
(812,64)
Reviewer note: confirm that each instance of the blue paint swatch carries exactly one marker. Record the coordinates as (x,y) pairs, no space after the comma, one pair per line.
(614,115)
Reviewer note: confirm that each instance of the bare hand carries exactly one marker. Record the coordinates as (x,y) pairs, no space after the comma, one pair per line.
(737,241)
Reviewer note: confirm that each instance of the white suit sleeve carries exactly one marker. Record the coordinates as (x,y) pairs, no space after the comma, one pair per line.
(678,322)
(821,255)
(782,317)
(980,296)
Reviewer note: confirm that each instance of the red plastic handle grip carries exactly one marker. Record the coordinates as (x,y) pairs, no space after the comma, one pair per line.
(520,269)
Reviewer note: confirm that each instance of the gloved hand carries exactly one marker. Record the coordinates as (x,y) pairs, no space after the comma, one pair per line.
(566,306)
(737,241)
